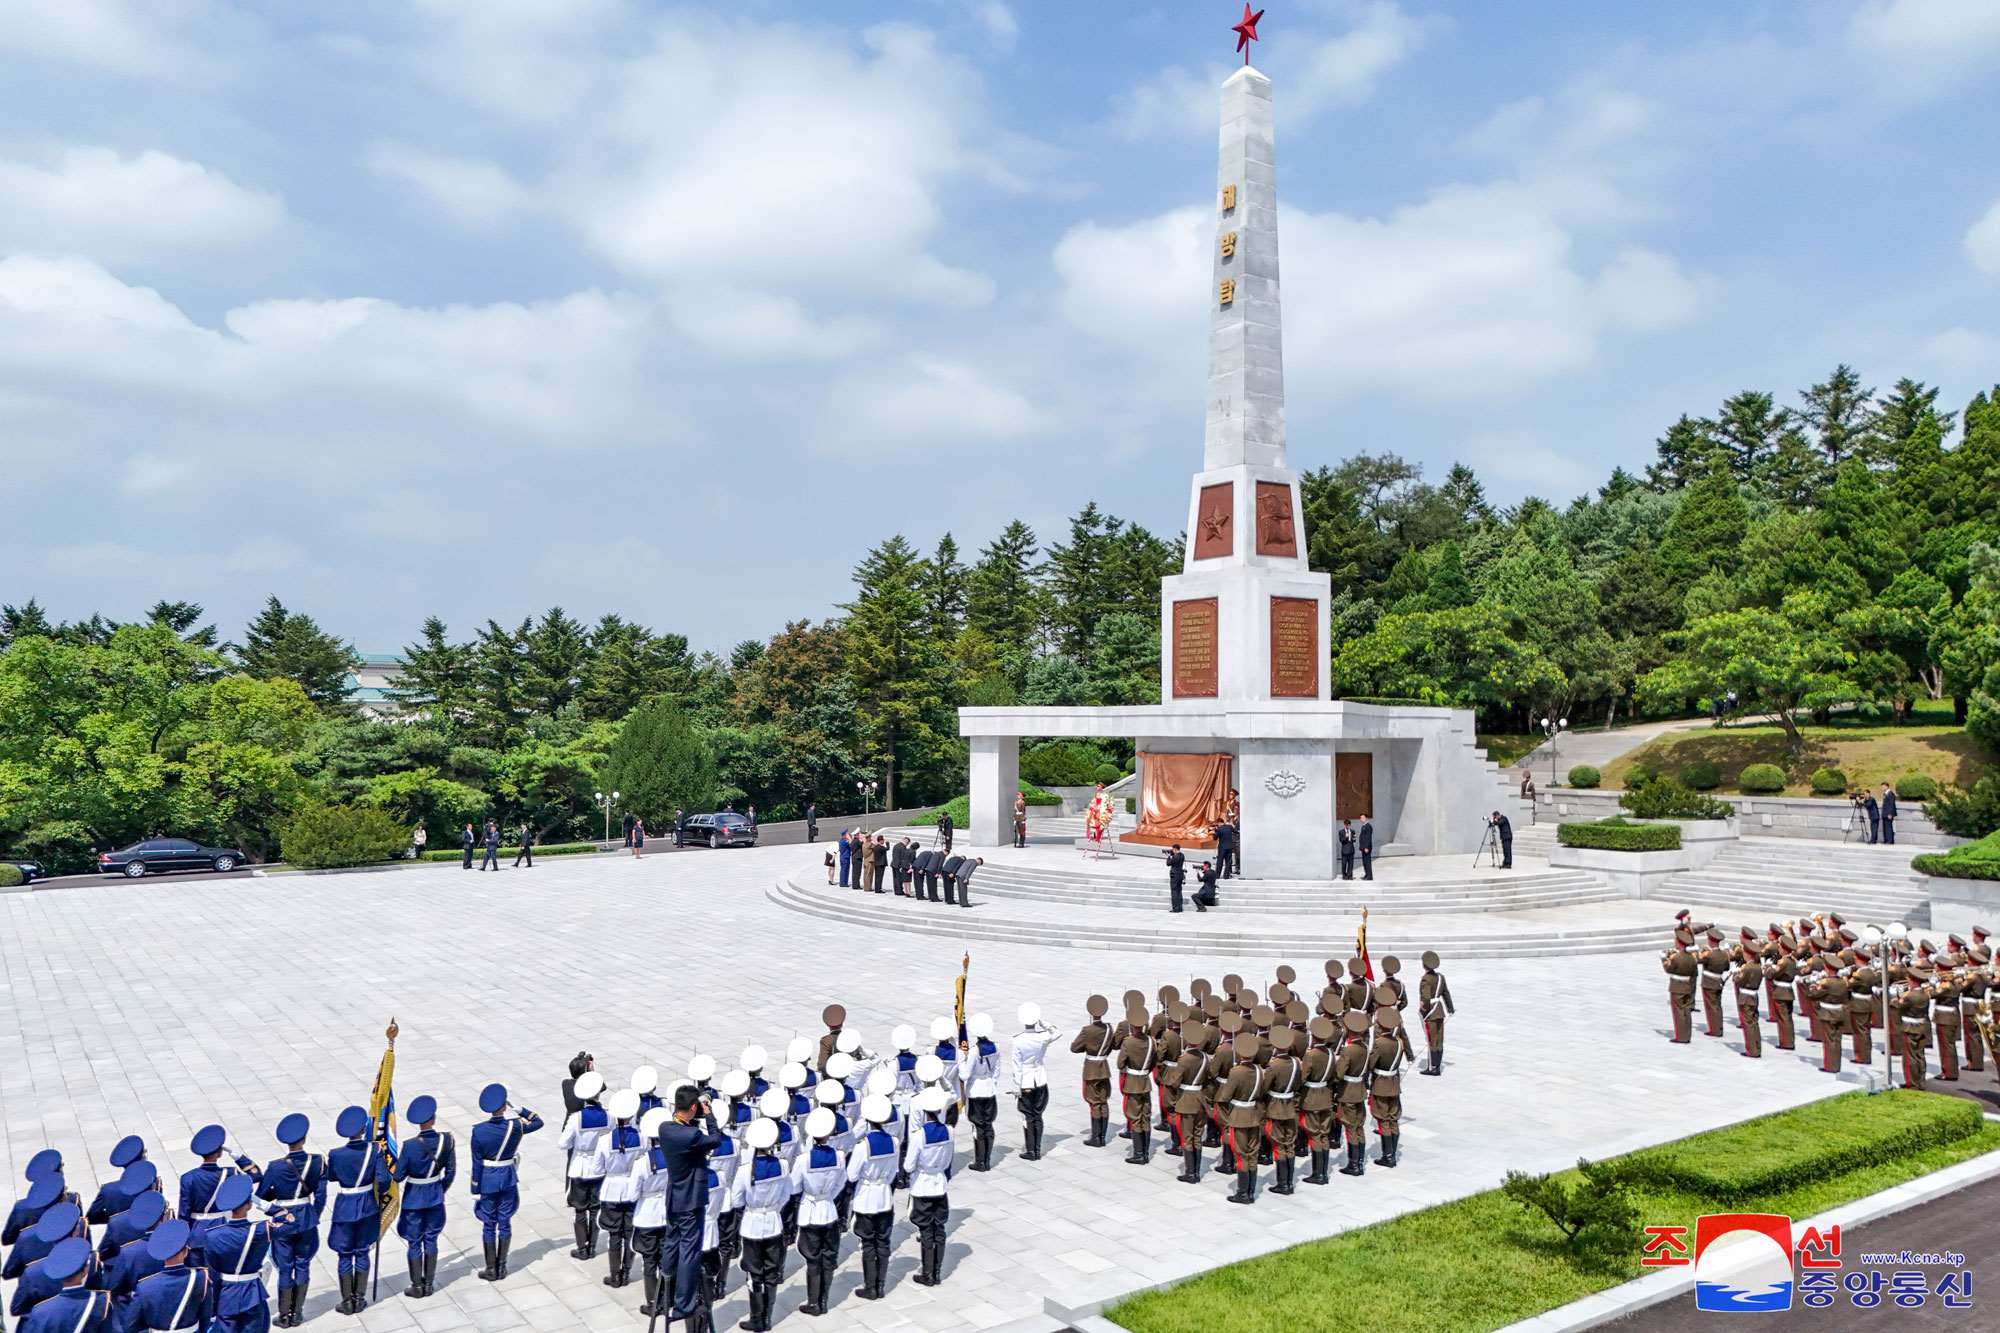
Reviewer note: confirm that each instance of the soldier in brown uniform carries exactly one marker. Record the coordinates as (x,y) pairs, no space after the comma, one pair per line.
(1095,1044)
(1826,991)
(1242,1107)
(1350,1072)
(1714,976)
(1186,1083)
(1749,980)
(1166,1027)
(1680,967)
(1316,1118)
(1861,984)
(833,1016)
(1357,994)
(1333,999)
(1284,1079)
(1386,1058)
(1913,1023)
(1895,976)
(1780,974)
(1136,1058)
(1433,1003)
(1972,989)
(1298,1020)
(1220,1070)
(1945,1016)
(1391,966)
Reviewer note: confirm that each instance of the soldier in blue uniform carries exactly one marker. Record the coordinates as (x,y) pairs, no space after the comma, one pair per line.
(63,1222)
(26,1212)
(296,1183)
(237,1250)
(198,1186)
(495,1181)
(75,1308)
(357,1173)
(173,1298)
(112,1198)
(427,1165)
(140,1180)
(128,1263)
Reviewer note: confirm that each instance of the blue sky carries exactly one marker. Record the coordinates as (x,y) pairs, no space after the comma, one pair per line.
(470,308)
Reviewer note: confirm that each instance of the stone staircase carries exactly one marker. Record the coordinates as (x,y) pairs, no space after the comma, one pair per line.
(1387,895)
(1796,876)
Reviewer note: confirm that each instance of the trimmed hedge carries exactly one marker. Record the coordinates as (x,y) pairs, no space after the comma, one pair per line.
(329,837)
(1620,835)
(1828,782)
(1664,798)
(554,849)
(1916,787)
(1701,775)
(960,808)
(1762,778)
(1818,1142)
(1975,860)
(1583,775)
(10,877)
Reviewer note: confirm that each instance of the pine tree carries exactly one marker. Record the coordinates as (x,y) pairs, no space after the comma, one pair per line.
(1681,450)
(1749,430)
(555,657)
(1077,578)
(181,617)
(283,645)
(437,678)
(1840,414)
(1466,496)
(659,764)
(1448,587)
(896,678)
(944,583)
(1707,530)
(1911,407)
(1002,600)
(629,664)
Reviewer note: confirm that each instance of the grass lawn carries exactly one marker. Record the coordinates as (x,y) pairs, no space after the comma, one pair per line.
(1868,753)
(1482,1262)
(1504,750)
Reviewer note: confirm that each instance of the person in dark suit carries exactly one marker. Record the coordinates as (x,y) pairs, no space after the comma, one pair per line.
(1505,828)
(950,871)
(944,830)
(1204,897)
(468,840)
(899,863)
(920,871)
(812,822)
(1888,807)
(627,821)
(1225,845)
(1176,876)
(1347,849)
(491,859)
(1874,813)
(965,869)
(685,1143)
(1364,839)
(881,861)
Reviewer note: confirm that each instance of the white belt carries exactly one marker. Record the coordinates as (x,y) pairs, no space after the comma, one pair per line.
(208,1217)
(496,1161)
(424,1180)
(1943,1010)
(1832,1010)
(1243,1104)
(291,1203)
(240,1277)
(354,1189)
(1279,1097)
(1354,1078)
(1311,1086)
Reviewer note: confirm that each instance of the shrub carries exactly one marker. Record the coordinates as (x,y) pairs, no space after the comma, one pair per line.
(1701,775)
(1131,805)
(1620,835)
(1967,814)
(1664,798)
(1916,787)
(321,837)
(1975,860)
(1828,782)
(1583,775)
(1109,773)
(1063,764)
(1383,701)
(1036,796)
(10,877)
(993,692)
(1597,1217)
(958,807)
(1639,775)
(1762,778)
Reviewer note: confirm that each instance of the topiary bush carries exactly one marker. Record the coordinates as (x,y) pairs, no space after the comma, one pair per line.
(958,807)
(1620,835)
(1828,782)
(1583,775)
(1639,775)
(1665,798)
(1975,860)
(323,837)
(1759,778)
(10,877)
(1916,787)
(1701,775)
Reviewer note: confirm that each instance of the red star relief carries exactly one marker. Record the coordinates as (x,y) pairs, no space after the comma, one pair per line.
(1246,31)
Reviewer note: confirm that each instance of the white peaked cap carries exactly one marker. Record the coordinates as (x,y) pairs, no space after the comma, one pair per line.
(929,1068)
(820,1123)
(753,1058)
(876,1110)
(1031,1014)
(882,1082)
(800,1051)
(762,1133)
(668,1094)
(942,1029)
(589,1084)
(774,1103)
(980,1025)
(839,1065)
(645,1079)
(903,1038)
(735,1083)
(793,1075)
(932,1100)
(624,1104)
(649,1124)
(848,1042)
(830,1093)
(702,1068)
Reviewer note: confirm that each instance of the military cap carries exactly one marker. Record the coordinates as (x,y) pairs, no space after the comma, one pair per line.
(1199,989)
(876,1110)
(833,1015)
(1980,932)
(1247,1045)
(1333,969)
(45,1190)
(929,1068)
(1388,1018)
(820,1123)
(1329,1001)
(1385,997)
(753,1058)
(932,1101)
(1744,933)
(169,1238)
(1096,1005)
(293,1129)
(1391,965)
(1296,1012)
(59,1219)
(589,1085)
(1169,995)
(622,1104)
(1135,1017)
(1135,999)
(1231,984)
(1286,974)
(1322,1028)
(1280,995)
(494,1095)
(232,1193)
(128,1150)
(1835,919)
(67,1259)
(1714,935)
(762,1134)
(137,1177)
(424,1109)
(1262,1016)
(1430,958)
(736,1083)
(1682,938)
(839,1065)
(1211,1005)
(148,1207)
(1354,1021)
(1958,942)
(353,1123)
(208,1139)
(1848,935)
(1355,966)
(1246,999)
(1231,1023)
(1177,1013)
(1683,915)
(1283,1040)
(701,1068)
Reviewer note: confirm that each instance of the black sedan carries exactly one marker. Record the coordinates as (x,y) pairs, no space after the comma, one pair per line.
(727,829)
(159,854)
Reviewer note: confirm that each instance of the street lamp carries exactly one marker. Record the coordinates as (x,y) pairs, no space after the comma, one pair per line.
(867,790)
(1553,728)
(606,802)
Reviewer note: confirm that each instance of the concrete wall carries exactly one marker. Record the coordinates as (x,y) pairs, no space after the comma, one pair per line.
(1760,816)
(995,764)
(1960,904)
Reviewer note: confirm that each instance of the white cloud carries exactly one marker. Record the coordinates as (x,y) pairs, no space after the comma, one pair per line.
(1002,28)
(920,402)
(1526,457)
(1344,70)
(471,192)
(115,209)
(1965,351)
(110,35)
(1982,242)
(1138,285)
(260,555)
(1922,47)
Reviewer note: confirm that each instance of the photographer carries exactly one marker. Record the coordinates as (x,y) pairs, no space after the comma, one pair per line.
(683,1152)
(1505,830)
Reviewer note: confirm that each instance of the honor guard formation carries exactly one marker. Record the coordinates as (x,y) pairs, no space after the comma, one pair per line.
(1267,1080)
(1847,984)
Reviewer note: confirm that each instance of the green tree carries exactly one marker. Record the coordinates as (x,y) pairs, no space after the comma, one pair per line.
(1841,416)
(892,664)
(658,764)
(1777,664)
(1472,656)
(1707,530)
(628,664)
(1003,601)
(287,645)
(437,679)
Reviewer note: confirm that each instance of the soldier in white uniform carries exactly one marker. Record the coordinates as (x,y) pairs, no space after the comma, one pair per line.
(616,1152)
(581,1134)
(982,1088)
(872,1170)
(945,1034)
(762,1190)
(648,1176)
(1031,1077)
(728,1156)
(819,1176)
(928,1160)
(772,1106)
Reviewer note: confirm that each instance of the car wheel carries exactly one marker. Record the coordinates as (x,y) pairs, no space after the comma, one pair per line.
(715,842)
(224,864)
(134,869)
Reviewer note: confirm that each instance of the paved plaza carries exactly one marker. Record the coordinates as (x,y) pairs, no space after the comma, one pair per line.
(157,1006)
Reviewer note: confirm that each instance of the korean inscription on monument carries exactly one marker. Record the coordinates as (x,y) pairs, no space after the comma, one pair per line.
(1194,649)
(1294,648)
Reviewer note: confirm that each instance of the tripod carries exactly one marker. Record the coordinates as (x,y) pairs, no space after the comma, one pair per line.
(1489,847)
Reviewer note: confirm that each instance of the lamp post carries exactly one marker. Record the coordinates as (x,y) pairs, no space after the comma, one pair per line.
(605,803)
(1553,728)
(867,790)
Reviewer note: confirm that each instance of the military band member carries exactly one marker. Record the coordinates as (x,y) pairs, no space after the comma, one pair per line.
(1945,991)
(1031,1077)
(1749,981)
(1826,989)
(1241,1104)
(927,1160)
(1386,1057)
(982,1088)
(494,1143)
(1166,1029)
(617,1152)
(173,1298)
(1284,1079)
(872,1169)
(1188,1081)
(1095,1043)
(237,1249)
(1973,988)
(1136,1057)
(1713,977)
(1913,1025)
(762,1189)
(1350,1071)
(1861,981)
(1317,1120)
(357,1172)
(75,1308)
(1780,973)
(296,1183)
(1681,968)
(1433,1003)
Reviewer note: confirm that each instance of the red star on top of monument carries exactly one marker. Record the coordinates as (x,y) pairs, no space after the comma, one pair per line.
(1246,31)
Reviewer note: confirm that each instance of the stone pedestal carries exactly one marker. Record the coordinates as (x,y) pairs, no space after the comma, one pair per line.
(996,779)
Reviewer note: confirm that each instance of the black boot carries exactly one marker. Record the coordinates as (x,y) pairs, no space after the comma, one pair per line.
(500,1268)
(1225,1162)
(929,1260)
(1433,1062)
(1286,1164)
(284,1316)
(1191,1165)
(1321,1160)
(812,1304)
(1141,1141)
(580,1225)
(937,1261)
(650,1280)
(416,1287)
(491,1273)
(1388,1157)
(1357,1160)
(617,1262)
(346,1305)
(1246,1183)
(360,1291)
(1211,1137)
(430,1273)
(981,1148)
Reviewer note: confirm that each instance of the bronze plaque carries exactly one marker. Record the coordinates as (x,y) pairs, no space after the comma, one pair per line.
(1194,649)
(1214,519)
(1353,786)
(1276,533)
(1294,648)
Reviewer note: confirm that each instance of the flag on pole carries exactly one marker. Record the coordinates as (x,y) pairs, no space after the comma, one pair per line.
(964,1039)
(1361,947)
(382,1122)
